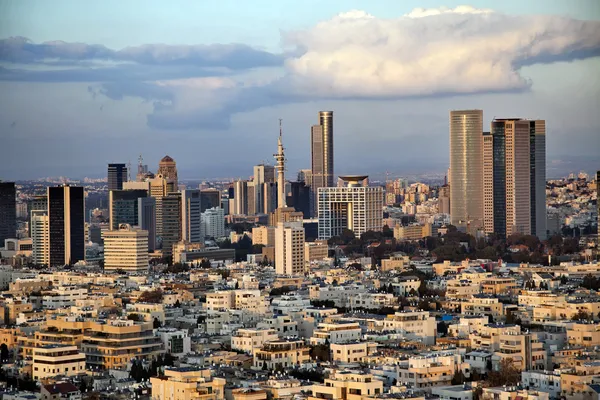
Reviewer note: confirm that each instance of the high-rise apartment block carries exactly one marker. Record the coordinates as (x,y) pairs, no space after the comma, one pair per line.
(213,223)
(123,206)
(321,139)
(289,248)
(37,203)
(117,174)
(466,172)
(514,176)
(8,211)
(66,205)
(126,248)
(168,169)
(191,220)
(40,237)
(240,198)
(356,207)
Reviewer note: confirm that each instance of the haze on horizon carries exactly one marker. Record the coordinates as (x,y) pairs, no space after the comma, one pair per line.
(83,84)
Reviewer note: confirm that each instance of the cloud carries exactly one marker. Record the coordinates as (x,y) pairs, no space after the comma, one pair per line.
(354,55)
(431,52)
(234,56)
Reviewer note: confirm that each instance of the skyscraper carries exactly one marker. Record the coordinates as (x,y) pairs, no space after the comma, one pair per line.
(147,219)
(191,216)
(168,169)
(39,237)
(8,211)
(262,174)
(289,248)
(466,168)
(210,198)
(240,198)
(598,204)
(126,248)
(35,204)
(123,206)
(514,177)
(321,138)
(538,178)
(117,174)
(169,226)
(66,226)
(355,207)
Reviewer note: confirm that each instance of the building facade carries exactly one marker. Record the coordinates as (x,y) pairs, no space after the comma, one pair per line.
(8,211)
(191,220)
(355,207)
(117,174)
(466,169)
(289,249)
(126,248)
(40,237)
(321,139)
(66,226)
(123,206)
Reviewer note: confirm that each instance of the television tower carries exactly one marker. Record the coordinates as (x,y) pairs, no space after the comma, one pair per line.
(280,158)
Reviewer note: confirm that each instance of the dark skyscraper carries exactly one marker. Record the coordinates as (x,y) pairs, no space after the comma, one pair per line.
(300,198)
(117,174)
(210,198)
(66,205)
(123,206)
(321,138)
(8,211)
(147,219)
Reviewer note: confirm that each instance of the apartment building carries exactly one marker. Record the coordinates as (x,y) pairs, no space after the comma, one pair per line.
(56,359)
(113,343)
(487,337)
(483,305)
(352,352)
(281,353)
(187,383)
(348,385)
(499,286)
(417,324)
(431,369)
(525,350)
(249,340)
(584,335)
(336,332)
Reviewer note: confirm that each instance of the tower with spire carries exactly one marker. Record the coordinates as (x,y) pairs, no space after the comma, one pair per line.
(280,158)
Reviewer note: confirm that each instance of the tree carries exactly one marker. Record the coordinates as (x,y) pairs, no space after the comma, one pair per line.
(581,315)
(321,352)
(458,378)
(156,323)
(442,329)
(134,317)
(4,355)
(507,374)
(177,304)
(151,296)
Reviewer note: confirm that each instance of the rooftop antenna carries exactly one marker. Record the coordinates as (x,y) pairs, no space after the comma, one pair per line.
(129,170)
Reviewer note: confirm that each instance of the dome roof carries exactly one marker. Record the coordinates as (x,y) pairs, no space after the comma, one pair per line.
(166,159)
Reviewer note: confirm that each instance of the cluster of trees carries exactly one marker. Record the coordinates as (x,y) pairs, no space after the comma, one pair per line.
(591,282)
(281,291)
(308,375)
(530,284)
(321,352)
(138,372)
(151,296)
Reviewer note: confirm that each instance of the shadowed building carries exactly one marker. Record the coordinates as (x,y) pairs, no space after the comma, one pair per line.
(66,226)
(117,174)
(8,211)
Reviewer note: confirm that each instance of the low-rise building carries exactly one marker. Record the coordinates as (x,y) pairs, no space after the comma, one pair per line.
(336,332)
(54,360)
(249,340)
(187,383)
(348,385)
(281,354)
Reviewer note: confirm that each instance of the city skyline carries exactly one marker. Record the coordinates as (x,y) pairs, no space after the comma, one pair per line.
(83,98)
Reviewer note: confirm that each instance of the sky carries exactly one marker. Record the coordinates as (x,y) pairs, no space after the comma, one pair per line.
(83,84)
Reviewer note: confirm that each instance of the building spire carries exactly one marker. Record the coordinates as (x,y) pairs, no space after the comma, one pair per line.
(280,158)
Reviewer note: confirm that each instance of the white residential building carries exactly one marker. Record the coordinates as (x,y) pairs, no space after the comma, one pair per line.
(40,239)
(213,223)
(175,341)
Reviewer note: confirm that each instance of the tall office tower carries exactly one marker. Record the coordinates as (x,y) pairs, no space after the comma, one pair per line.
(321,138)
(300,198)
(210,198)
(126,248)
(537,144)
(191,216)
(251,195)
(35,204)
(514,177)
(170,224)
(262,174)
(289,248)
(240,198)
(161,186)
(117,174)
(168,169)
(213,223)
(123,207)
(466,169)
(39,237)
(355,207)
(444,200)
(8,211)
(147,219)
(66,225)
